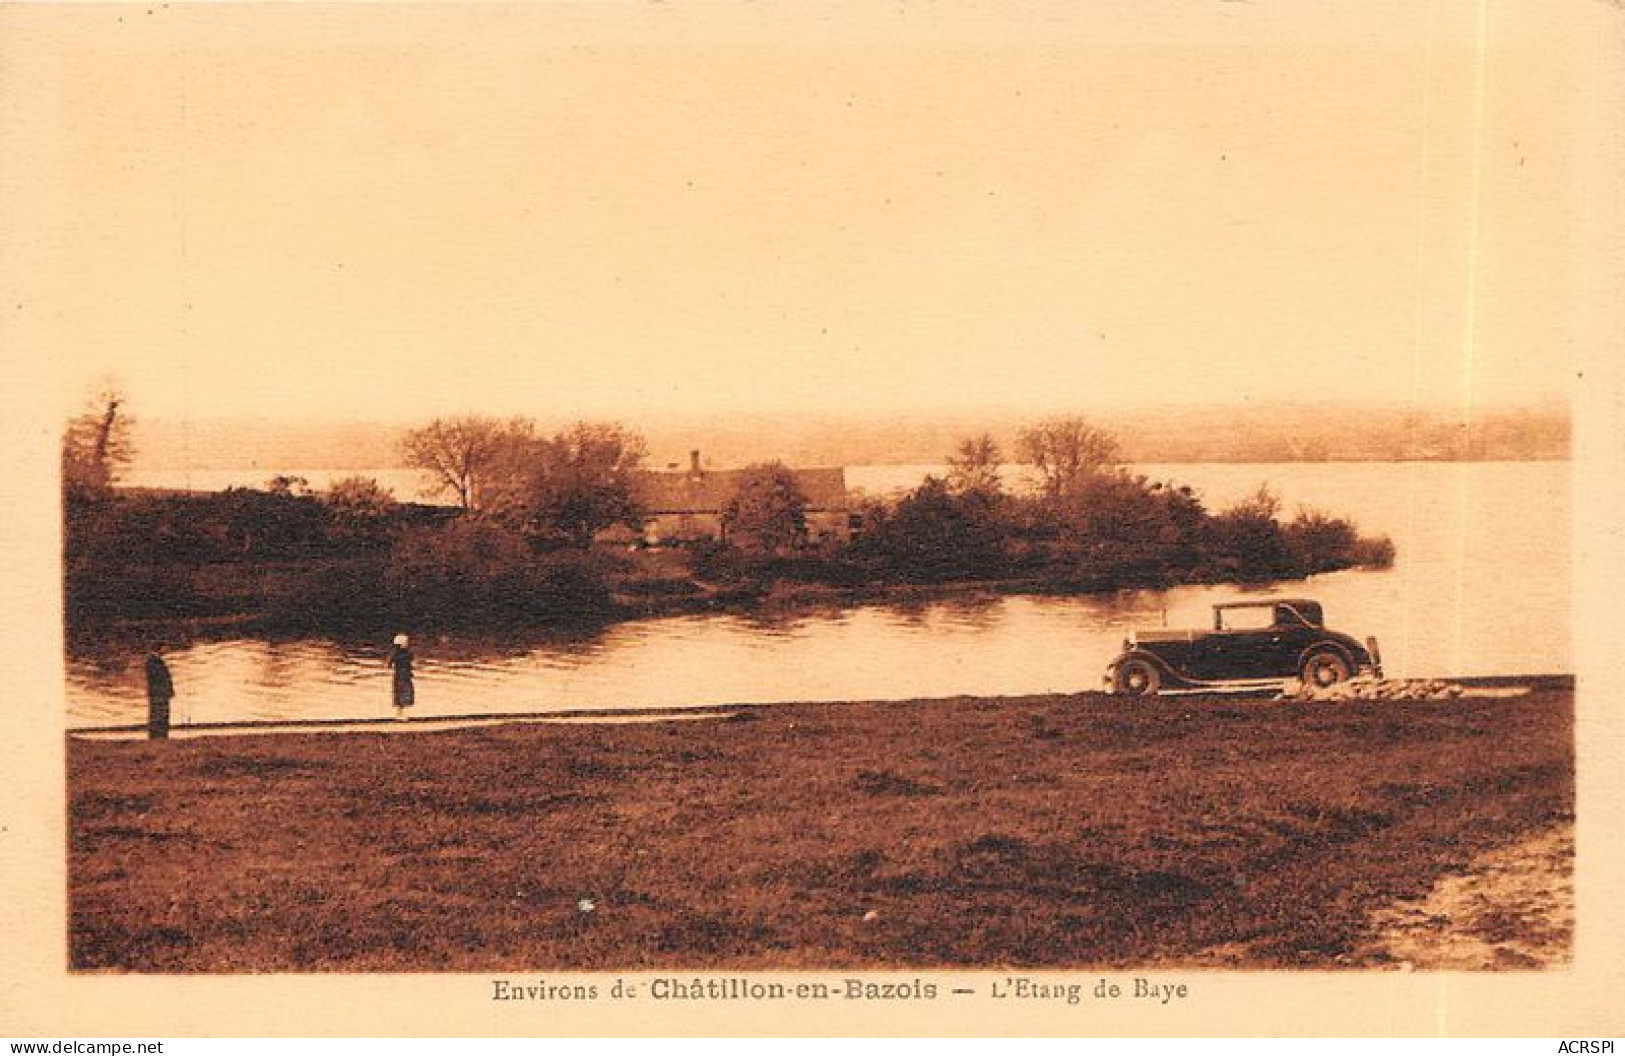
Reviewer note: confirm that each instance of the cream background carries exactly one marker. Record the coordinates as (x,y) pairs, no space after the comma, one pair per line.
(628,208)
(192,180)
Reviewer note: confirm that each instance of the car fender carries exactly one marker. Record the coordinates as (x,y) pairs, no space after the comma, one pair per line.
(1332,645)
(1168,674)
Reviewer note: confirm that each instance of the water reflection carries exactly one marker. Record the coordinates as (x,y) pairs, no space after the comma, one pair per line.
(987,645)
(779,622)
(971,612)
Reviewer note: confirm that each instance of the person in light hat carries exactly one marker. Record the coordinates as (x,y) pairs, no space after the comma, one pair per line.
(400,662)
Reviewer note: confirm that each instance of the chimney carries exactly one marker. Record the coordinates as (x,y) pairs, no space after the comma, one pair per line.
(694,469)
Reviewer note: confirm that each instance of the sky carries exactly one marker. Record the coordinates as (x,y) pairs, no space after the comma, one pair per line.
(606,209)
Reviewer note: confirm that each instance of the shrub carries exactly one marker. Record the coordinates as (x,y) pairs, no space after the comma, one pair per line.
(95,592)
(268,524)
(1373,552)
(360,513)
(714,560)
(934,535)
(322,595)
(1318,542)
(1247,540)
(472,570)
(1122,508)
(768,510)
(1322,543)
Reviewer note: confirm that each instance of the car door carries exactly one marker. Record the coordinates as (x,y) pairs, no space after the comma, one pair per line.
(1287,639)
(1199,659)
(1234,649)
(1246,653)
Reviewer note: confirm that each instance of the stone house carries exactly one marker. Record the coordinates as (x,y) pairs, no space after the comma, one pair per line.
(686,505)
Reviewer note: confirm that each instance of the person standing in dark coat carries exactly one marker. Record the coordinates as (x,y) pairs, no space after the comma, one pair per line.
(400,663)
(160,691)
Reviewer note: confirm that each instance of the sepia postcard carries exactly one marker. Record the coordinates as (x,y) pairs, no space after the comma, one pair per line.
(610,518)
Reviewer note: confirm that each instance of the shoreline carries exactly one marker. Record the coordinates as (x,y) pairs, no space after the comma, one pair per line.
(1494,686)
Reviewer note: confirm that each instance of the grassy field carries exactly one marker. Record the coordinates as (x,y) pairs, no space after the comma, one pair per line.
(1041,831)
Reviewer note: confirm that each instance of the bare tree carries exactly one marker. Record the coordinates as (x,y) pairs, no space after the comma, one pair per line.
(1067,452)
(461,456)
(974,466)
(96,446)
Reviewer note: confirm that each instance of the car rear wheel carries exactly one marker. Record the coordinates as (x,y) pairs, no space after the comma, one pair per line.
(1136,678)
(1324,669)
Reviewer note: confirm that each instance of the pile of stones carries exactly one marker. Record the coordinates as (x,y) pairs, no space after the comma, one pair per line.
(1377,689)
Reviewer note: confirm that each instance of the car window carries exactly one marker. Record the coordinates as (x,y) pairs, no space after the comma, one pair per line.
(1247,619)
(1287,616)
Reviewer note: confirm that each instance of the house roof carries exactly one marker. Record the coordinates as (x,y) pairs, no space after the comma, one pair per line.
(710,490)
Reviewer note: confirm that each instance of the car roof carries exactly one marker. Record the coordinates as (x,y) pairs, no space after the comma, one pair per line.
(1266,603)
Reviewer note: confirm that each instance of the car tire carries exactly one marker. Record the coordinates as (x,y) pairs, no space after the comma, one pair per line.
(1324,668)
(1137,678)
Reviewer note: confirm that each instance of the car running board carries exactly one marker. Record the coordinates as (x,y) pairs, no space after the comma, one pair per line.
(1229,685)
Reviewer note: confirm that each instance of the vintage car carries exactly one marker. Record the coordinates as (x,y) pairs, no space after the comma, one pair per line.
(1263,642)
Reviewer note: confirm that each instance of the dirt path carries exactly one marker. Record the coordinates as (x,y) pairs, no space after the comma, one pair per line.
(1514,909)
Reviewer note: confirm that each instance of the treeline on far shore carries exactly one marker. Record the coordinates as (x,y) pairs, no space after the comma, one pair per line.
(352,557)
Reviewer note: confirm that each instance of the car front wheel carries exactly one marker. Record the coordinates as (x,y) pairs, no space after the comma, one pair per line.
(1136,678)
(1325,669)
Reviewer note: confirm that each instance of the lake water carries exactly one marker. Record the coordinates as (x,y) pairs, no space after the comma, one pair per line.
(1481,587)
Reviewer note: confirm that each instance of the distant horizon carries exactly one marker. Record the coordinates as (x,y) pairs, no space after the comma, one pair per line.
(1194,433)
(630,416)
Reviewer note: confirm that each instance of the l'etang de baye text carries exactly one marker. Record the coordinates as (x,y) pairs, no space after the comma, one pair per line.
(742,988)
